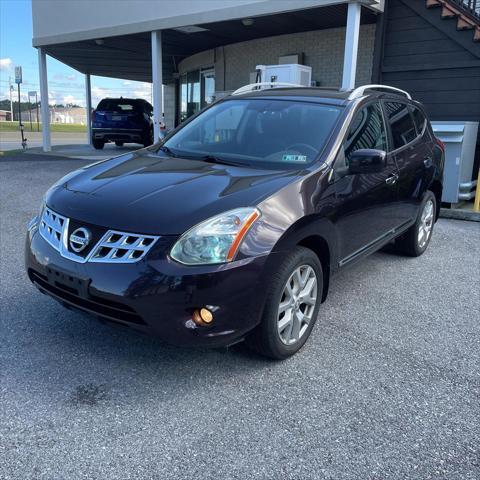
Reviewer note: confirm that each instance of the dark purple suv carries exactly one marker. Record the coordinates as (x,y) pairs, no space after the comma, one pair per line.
(233,226)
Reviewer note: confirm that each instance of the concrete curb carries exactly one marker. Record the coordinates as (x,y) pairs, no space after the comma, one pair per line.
(66,151)
(459,214)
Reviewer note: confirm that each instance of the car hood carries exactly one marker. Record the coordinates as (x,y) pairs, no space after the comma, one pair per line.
(148,193)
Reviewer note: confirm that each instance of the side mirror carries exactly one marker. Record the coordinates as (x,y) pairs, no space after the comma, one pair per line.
(367,161)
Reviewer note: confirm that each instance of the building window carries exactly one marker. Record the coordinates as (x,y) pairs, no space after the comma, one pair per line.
(197,89)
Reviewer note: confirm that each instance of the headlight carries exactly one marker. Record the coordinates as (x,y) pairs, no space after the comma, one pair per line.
(215,240)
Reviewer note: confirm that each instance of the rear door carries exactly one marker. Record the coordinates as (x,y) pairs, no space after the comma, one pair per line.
(367,203)
(413,155)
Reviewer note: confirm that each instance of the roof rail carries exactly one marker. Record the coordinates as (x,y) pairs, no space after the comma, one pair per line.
(256,86)
(359,91)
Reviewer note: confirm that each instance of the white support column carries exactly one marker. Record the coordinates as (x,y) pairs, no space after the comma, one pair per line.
(42,70)
(88,107)
(351,45)
(157,80)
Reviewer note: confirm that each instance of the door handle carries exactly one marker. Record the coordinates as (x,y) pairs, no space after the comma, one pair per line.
(428,161)
(391,180)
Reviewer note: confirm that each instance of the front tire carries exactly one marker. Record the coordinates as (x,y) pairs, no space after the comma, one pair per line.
(416,239)
(291,308)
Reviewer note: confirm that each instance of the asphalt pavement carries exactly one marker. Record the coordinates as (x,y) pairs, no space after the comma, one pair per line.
(387,387)
(71,145)
(13,140)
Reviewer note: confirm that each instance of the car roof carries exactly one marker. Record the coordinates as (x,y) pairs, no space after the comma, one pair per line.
(124,99)
(316,94)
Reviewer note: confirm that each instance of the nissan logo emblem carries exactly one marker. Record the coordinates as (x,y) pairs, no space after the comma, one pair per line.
(79,239)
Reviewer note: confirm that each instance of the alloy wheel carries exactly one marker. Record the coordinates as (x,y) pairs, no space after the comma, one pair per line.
(297,304)
(426,224)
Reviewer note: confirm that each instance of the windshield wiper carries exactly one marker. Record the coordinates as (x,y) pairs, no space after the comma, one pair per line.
(204,158)
(221,161)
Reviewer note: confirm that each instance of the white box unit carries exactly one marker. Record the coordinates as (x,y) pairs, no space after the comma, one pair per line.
(289,73)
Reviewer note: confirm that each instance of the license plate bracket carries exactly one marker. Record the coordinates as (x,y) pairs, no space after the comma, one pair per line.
(68,281)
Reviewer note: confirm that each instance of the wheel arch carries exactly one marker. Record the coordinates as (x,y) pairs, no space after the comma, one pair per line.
(320,247)
(436,188)
(317,234)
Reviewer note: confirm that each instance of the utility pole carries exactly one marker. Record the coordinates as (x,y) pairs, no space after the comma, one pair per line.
(38,120)
(11,98)
(30,112)
(18,81)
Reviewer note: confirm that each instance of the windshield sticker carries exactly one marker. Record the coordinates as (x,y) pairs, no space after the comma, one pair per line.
(294,158)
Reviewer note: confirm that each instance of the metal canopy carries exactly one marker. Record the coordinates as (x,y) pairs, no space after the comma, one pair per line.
(129,56)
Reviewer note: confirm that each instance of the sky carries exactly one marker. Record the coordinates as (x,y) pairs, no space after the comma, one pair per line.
(65,84)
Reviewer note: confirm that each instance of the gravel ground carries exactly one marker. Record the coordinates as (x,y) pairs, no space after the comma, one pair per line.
(388,386)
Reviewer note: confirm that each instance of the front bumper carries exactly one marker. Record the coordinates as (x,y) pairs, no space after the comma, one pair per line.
(155,294)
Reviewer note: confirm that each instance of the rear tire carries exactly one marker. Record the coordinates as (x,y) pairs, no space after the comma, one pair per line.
(98,144)
(416,239)
(149,139)
(293,298)
(119,144)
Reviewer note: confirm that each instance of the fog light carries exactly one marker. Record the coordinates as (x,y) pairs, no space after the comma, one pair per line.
(202,317)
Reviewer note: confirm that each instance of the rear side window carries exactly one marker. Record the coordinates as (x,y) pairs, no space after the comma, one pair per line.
(113,105)
(366,131)
(419,118)
(401,124)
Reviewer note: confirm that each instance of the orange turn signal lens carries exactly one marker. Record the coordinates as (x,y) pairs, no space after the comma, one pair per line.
(241,233)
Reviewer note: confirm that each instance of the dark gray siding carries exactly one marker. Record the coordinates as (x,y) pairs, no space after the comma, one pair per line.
(427,56)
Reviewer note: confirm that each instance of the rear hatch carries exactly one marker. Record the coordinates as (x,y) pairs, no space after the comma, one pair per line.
(119,113)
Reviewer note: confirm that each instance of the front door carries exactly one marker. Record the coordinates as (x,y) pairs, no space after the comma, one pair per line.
(367,203)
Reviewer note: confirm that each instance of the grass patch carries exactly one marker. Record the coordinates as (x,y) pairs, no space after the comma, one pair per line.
(54,127)
(11,153)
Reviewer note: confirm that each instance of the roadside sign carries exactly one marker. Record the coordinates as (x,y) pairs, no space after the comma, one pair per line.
(18,75)
(32,94)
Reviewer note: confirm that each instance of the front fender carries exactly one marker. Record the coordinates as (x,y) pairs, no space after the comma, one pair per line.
(298,211)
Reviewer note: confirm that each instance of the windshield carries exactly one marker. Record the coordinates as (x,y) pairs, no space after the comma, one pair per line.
(267,132)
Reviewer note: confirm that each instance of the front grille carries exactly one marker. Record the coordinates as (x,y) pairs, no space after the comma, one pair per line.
(51,227)
(119,247)
(96,234)
(109,247)
(95,305)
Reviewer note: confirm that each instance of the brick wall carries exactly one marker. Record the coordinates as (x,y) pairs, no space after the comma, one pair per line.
(322,49)
(169,105)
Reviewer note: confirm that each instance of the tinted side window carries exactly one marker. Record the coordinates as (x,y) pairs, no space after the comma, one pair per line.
(401,123)
(419,119)
(366,131)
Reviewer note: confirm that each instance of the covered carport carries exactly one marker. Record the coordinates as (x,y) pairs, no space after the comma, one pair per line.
(150,51)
